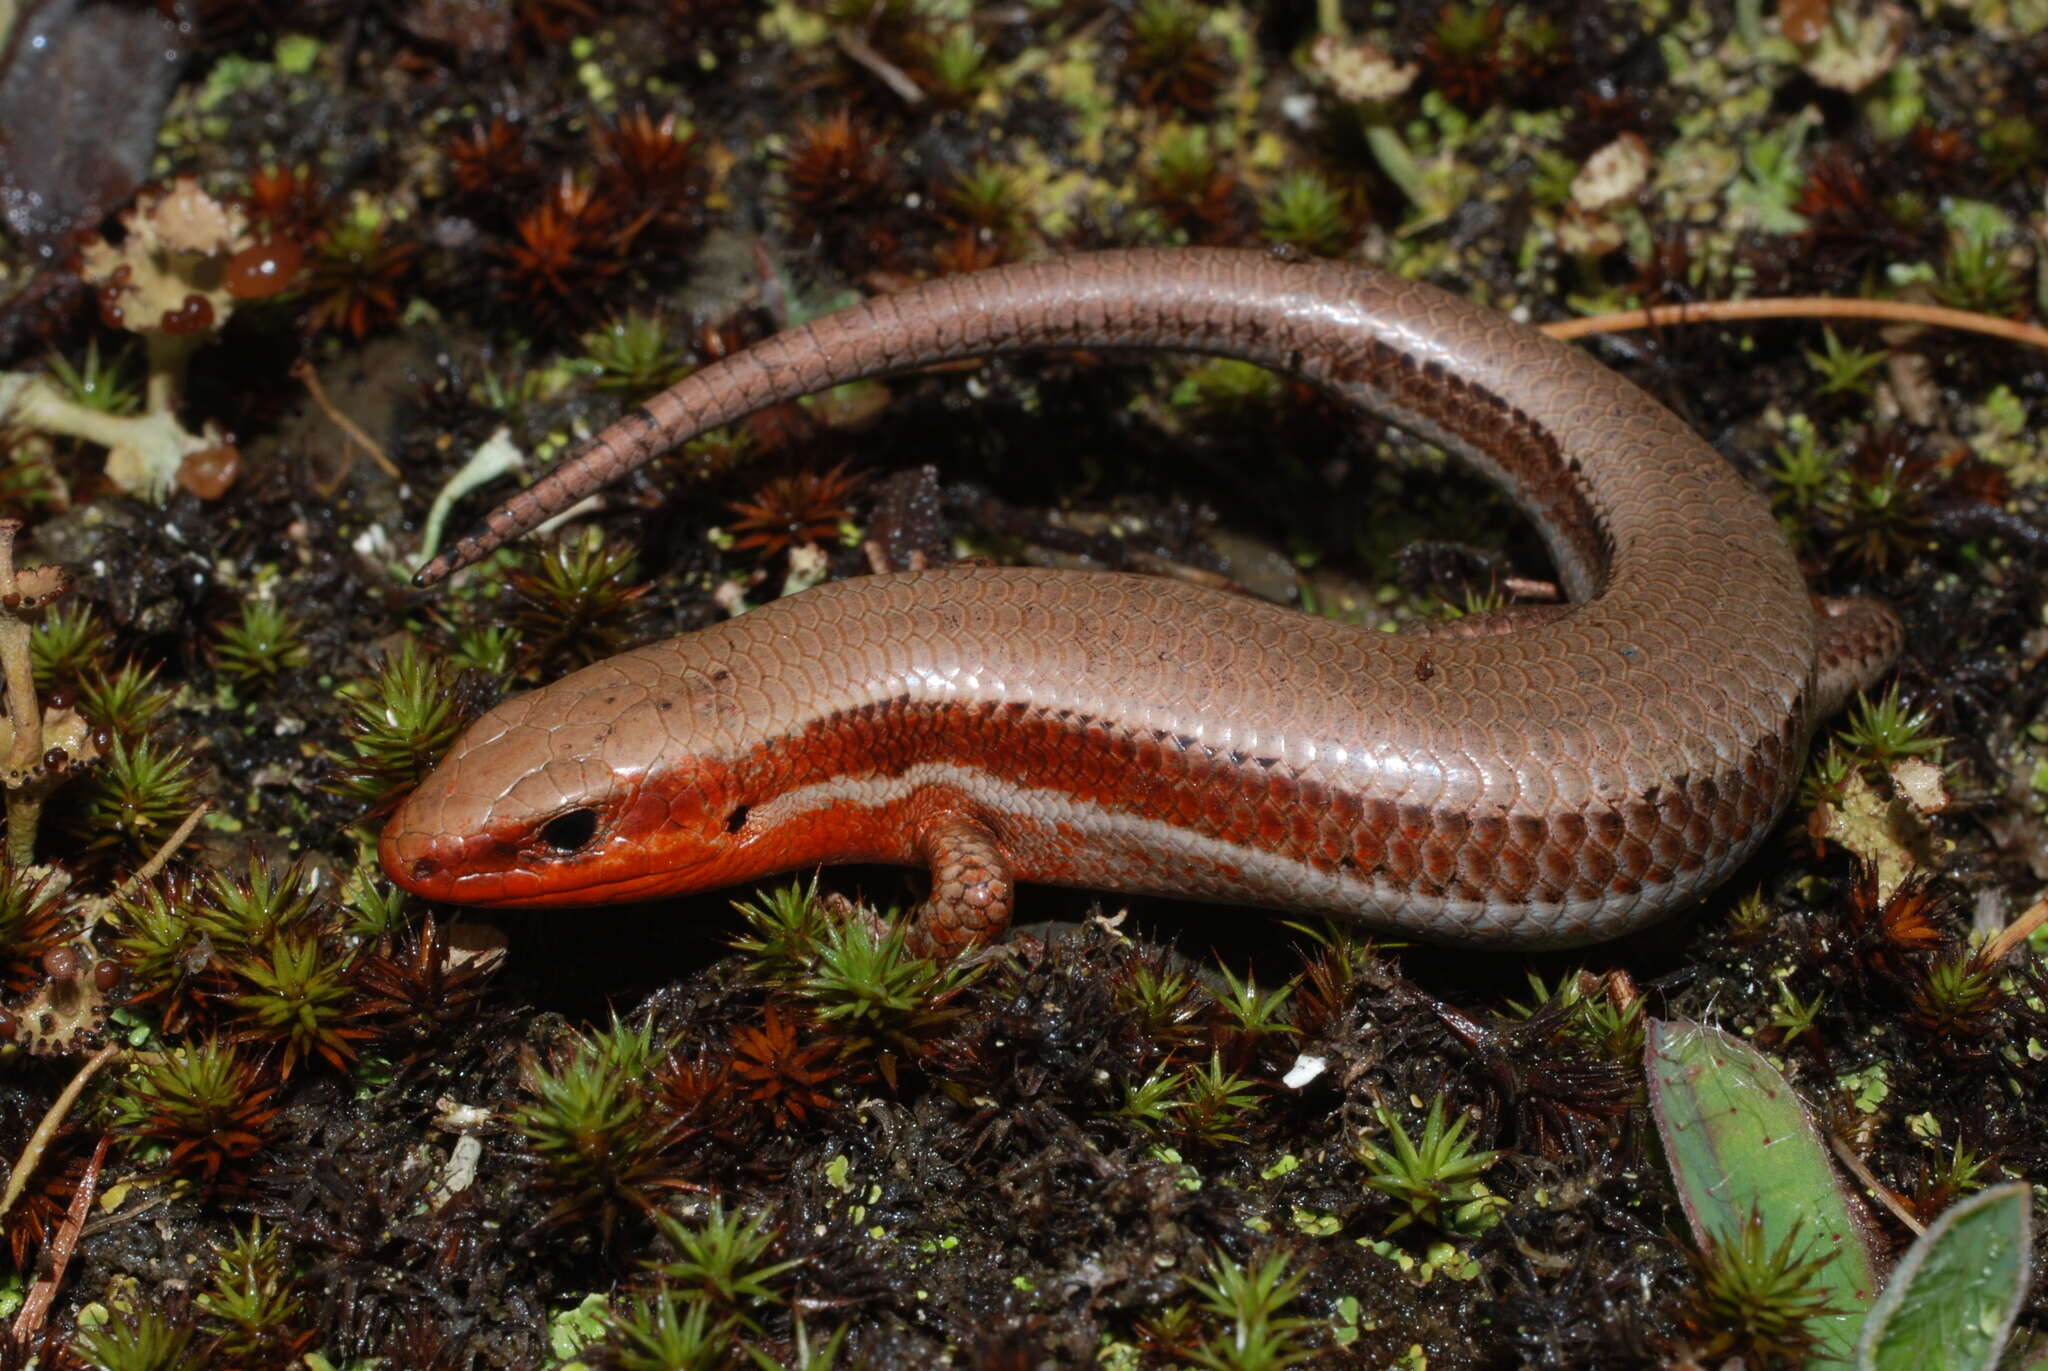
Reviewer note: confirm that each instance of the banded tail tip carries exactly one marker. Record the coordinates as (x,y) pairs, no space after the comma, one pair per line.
(457,555)
(441,566)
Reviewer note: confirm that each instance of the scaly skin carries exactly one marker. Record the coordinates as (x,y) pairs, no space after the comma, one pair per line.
(1539,779)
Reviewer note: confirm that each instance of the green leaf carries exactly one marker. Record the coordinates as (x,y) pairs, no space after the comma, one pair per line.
(571,1330)
(1952,1299)
(1740,1143)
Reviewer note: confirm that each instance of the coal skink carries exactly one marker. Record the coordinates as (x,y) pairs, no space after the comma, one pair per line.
(1537,780)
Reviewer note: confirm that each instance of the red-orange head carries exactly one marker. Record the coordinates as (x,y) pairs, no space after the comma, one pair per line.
(607,785)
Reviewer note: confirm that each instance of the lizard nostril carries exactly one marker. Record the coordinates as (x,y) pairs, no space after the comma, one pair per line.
(425,868)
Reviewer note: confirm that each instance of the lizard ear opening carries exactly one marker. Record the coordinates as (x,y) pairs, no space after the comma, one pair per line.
(570,831)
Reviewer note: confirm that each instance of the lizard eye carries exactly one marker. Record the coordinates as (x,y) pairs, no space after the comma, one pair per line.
(570,831)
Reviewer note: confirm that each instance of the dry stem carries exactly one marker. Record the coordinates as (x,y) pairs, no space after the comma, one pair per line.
(1799,307)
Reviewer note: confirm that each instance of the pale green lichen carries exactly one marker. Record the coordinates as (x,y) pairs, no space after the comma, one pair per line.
(166,281)
(1892,831)
(2005,433)
(1856,48)
(497,456)
(296,53)
(1774,172)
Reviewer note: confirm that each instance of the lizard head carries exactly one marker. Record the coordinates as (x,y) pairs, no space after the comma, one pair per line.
(601,787)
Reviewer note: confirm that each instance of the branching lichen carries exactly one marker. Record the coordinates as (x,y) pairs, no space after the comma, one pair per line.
(39,747)
(167,280)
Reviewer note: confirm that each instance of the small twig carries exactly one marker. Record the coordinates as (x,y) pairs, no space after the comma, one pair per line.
(53,1119)
(303,372)
(129,1213)
(165,851)
(1878,1189)
(2012,935)
(327,490)
(1799,307)
(1527,588)
(1153,565)
(43,1293)
(147,872)
(887,72)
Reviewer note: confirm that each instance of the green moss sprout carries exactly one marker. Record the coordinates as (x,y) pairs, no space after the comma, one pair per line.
(1759,1302)
(399,722)
(1251,1013)
(374,908)
(668,1330)
(722,1257)
(1791,1017)
(1217,1104)
(247,911)
(786,926)
(632,355)
(104,388)
(66,644)
(261,645)
(988,197)
(575,605)
(295,992)
(1844,370)
(1886,729)
(144,1340)
(1304,210)
(1152,1102)
(1590,1017)
(1978,273)
(162,947)
(136,797)
(589,1120)
(1249,1300)
(1750,916)
(127,702)
(204,1102)
(489,648)
(1163,1000)
(252,1306)
(881,996)
(1955,995)
(1427,1176)
(956,65)
(1805,476)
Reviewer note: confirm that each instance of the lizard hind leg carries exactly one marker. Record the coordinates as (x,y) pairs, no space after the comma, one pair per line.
(1859,641)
